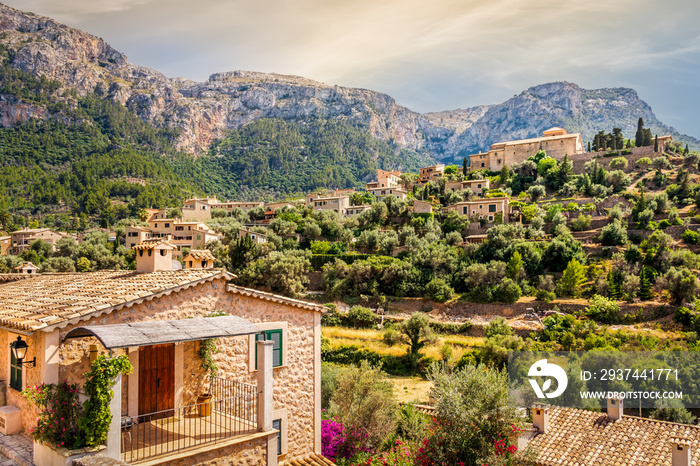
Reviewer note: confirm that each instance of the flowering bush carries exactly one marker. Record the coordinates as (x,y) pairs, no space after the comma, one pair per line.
(400,454)
(57,424)
(332,436)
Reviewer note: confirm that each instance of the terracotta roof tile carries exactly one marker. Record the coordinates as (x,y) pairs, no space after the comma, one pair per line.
(312,459)
(276,298)
(578,437)
(54,299)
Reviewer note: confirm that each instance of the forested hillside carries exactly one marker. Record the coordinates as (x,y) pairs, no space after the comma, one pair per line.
(273,157)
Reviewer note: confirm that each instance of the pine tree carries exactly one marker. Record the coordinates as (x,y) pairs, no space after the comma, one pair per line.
(614,287)
(639,135)
(648,139)
(686,151)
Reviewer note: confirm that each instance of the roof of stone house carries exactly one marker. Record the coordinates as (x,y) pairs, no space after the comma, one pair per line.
(51,300)
(154,243)
(27,265)
(276,298)
(312,459)
(201,255)
(575,437)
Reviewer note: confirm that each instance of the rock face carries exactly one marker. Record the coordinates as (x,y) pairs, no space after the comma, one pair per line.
(204,111)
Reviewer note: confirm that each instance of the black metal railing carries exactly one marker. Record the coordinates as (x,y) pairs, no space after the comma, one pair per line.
(231,411)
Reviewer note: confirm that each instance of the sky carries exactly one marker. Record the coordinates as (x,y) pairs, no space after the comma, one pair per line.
(428,55)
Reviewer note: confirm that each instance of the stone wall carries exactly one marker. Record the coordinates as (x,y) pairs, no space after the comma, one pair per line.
(250,453)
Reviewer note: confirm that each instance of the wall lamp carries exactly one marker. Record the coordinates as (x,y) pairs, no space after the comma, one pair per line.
(19,351)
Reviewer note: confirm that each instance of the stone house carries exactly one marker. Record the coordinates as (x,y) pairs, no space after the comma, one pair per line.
(422,207)
(4,244)
(181,234)
(490,209)
(557,142)
(338,204)
(199,259)
(477,186)
(266,396)
(574,436)
(258,238)
(200,209)
(431,173)
(381,193)
(357,209)
(385,179)
(22,239)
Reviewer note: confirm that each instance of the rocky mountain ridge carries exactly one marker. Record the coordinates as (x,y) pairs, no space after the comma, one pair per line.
(204,111)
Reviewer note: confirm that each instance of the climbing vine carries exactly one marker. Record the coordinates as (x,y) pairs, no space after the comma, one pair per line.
(207,348)
(97,418)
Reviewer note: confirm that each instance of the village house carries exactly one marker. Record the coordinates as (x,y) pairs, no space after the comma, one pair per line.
(422,207)
(338,204)
(182,234)
(356,209)
(199,259)
(262,407)
(201,208)
(477,186)
(22,239)
(431,173)
(557,142)
(574,436)
(493,209)
(385,179)
(5,242)
(381,193)
(258,238)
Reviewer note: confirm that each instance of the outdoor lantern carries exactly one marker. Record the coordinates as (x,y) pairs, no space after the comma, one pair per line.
(19,351)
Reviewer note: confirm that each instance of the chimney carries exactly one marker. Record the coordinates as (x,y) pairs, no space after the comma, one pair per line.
(680,451)
(615,408)
(153,255)
(540,417)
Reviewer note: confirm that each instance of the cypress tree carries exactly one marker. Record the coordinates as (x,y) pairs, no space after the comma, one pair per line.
(639,135)
(464,167)
(589,146)
(648,139)
(686,151)
(645,293)
(656,143)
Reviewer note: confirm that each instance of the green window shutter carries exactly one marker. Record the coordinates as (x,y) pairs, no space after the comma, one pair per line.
(276,337)
(15,373)
(277,424)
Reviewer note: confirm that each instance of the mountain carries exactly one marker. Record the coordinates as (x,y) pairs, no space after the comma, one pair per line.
(540,107)
(240,134)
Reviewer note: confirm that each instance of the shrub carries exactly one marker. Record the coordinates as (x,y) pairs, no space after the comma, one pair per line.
(691,237)
(546,296)
(603,310)
(613,234)
(329,382)
(360,317)
(57,424)
(581,223)
(332,437)
(391,336)
(644,162)
(364,405)
(618,163)
(509,291)
(438,290)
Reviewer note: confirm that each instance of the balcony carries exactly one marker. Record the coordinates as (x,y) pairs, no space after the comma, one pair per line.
(232,412)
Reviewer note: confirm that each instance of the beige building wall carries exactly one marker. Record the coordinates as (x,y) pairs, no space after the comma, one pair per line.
(381,193)
(483,208)
(422,207)
(338,204)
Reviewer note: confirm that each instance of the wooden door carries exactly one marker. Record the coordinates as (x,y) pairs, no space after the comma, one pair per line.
(156,379)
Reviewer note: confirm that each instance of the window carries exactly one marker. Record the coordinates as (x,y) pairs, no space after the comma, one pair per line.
(167,225)
(482,164)
(492,207)
(465,210)
(276,337)
(277,424)
(15,373)
(490,218)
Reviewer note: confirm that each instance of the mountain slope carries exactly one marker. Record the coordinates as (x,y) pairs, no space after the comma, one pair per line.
(554,104)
